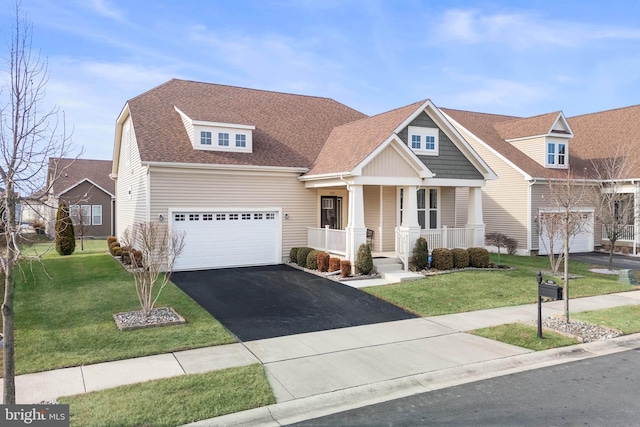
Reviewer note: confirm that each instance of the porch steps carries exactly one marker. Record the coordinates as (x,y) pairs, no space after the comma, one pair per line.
(391,270)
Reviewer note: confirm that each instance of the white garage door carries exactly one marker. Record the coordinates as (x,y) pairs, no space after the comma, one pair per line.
(228,239)
(581,242)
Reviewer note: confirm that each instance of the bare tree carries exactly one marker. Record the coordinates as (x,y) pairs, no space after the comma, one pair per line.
(567,195)
(615,205)
(29,135)
(550,227)
(159,247)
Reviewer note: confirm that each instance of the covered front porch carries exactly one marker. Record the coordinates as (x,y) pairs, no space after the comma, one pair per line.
(390,222)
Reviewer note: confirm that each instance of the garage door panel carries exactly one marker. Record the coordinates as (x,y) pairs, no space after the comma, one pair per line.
(581,242)
(228,239)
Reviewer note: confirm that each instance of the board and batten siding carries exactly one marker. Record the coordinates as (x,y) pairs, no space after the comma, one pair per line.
(504,200)
(216,189)
(389,163)
(131,184)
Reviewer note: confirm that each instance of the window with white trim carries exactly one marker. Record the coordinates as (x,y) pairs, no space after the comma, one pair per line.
(205,137)
(96,214)
(423,140)
(241,140)
(427,204)
(556,155)
(223,139)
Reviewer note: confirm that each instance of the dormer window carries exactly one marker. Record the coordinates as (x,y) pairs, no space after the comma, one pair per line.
(557,155)
(205,138)
(217,136)
(423,140)
(223,139)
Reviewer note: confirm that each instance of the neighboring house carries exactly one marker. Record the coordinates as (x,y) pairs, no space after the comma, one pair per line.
(249,174)
(526,153)
(33,209)
(86,187)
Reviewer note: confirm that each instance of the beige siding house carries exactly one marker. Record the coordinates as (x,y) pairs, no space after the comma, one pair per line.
(249,174)
(528,153)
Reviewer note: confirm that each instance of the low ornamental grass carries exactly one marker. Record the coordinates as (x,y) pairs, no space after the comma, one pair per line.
(472,290)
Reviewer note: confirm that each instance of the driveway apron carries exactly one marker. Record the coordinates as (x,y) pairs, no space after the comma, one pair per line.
(270,301)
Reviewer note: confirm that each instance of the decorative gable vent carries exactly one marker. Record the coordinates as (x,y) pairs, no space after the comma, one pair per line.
(215,136)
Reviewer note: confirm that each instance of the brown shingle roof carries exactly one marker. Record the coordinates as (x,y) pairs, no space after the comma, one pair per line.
(350,144)
(596,136)
(528,126)
(289,129)
(485,126)
(74,171)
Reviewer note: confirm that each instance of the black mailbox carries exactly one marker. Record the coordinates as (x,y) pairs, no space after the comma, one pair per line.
(549,291)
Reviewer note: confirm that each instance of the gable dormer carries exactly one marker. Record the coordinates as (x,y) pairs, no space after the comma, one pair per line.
(216,136)
(544,138)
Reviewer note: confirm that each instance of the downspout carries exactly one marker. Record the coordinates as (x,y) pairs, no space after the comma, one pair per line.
(530,218)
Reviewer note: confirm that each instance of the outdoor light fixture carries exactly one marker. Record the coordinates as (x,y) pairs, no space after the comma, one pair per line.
(286,216)
(161,217)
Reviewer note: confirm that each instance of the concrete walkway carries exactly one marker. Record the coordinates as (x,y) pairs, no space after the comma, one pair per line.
(318,373)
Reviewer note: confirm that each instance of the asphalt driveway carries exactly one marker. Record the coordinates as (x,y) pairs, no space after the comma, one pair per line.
(264,302)
(602,259)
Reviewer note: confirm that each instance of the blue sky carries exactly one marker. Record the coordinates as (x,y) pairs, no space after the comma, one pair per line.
(506,57)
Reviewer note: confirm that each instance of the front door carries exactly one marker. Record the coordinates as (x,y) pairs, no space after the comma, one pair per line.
(331,212)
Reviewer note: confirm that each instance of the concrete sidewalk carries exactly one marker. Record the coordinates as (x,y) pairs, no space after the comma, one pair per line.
(317,373)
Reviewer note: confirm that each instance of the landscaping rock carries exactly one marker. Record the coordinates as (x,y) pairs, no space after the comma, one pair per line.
(586,332)
(162,316)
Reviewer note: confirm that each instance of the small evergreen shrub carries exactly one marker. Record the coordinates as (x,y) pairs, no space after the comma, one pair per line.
(334,264)
(117,251)
(421,253)
(301,256)
(364,262)
(323,261)
(312,260)
(345,268)
(65,235)
(478,257)
(460,258)
(111,239)
(126,255)
(293,255)
(112,245)
(442,259)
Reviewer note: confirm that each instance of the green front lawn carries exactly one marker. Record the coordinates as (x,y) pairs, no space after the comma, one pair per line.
(625,319)
(173,401)
(477,290)
(525,336)
(64,310)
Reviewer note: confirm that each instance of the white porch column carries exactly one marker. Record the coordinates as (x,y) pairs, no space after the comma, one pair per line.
(356,230)
(474,216)
(410,217)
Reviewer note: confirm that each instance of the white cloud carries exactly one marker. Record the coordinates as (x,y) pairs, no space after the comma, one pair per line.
(523,30)
(507,95)
(107,9)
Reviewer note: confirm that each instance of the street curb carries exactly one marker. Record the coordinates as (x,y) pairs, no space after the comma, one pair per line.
(342,400)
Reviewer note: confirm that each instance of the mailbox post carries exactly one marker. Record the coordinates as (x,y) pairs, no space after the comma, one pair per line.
(549,290)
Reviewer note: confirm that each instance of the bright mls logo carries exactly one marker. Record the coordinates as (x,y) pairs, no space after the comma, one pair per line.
(35,415)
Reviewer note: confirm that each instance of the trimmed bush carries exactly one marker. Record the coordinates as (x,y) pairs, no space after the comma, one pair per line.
(334,264)
(460,258)
(117,251)
(301,256)
(323,261)
(441,259)
(421,253)
(364,262)
(345,268)
(312,260)
(65,235)
(136,258)
(478,257)
(111,239)
(293,255)
(512,245)
(112,245)
(126,255)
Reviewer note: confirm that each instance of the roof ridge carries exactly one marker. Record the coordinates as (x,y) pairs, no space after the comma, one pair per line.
(605,111)
(481,113)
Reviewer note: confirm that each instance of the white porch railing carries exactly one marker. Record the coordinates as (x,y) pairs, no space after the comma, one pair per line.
(627,234)
(449,238)
(328,240)
(403,247)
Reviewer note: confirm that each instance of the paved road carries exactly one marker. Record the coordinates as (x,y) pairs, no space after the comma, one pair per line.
(602,259)
(255,303)
(600,391)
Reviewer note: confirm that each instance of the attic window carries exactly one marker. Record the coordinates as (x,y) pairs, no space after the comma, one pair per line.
(423,140)
(205,138)
(556,155)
